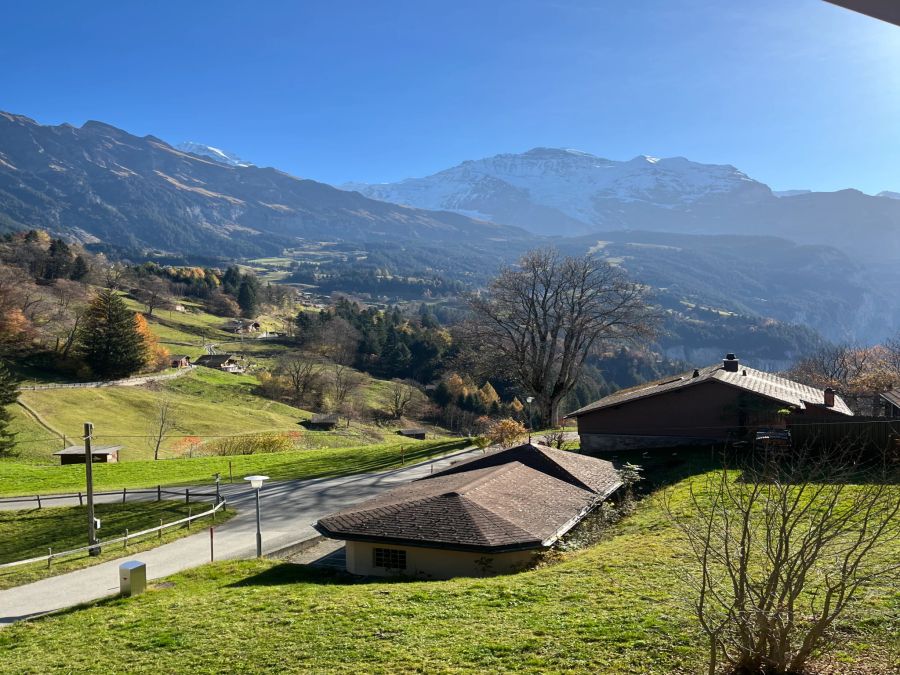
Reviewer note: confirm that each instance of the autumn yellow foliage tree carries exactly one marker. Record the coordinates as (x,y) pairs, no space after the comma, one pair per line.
(505,432)
(157,355)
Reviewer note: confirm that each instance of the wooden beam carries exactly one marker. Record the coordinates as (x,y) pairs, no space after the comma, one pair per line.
(886,10)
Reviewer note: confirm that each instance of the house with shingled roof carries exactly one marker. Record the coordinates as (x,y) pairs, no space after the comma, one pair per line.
(488,515)
(707,405)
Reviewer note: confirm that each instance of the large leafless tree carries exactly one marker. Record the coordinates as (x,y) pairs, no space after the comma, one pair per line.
(539,321)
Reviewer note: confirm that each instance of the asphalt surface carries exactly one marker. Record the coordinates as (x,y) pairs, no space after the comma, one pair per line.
(288,510)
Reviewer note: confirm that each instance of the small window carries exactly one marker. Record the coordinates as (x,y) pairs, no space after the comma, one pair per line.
(390,558)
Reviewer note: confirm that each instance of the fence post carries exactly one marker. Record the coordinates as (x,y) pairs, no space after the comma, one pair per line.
(230,476)
(123,494)
(38,500)
(211,550)
(159,493)
(80,500)
(49,556)
(187,495)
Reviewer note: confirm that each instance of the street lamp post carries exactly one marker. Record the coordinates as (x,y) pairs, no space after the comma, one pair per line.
(256,482)
(528,400)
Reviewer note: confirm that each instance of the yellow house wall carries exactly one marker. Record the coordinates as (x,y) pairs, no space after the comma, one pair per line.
(436,563)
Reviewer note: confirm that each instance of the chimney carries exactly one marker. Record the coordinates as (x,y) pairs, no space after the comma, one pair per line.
(696,373)
(730,363)
(829,397)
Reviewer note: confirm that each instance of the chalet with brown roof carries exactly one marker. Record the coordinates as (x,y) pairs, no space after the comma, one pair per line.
(180,361)
(707,405)
(487,515)
(226,362)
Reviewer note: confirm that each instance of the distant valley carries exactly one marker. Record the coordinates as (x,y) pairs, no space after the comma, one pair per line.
(709,239)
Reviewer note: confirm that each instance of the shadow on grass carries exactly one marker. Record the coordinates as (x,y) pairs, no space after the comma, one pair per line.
(291,573)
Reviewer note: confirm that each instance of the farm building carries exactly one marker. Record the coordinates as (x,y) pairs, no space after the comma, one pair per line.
(103,454)
(708,405)
(322,422)
(226,362)
(417,434)
(488,515)
(179,361)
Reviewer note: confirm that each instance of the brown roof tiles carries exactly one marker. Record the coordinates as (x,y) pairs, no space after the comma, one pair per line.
(493,503)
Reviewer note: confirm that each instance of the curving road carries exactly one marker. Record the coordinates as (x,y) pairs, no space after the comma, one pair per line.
(289,509)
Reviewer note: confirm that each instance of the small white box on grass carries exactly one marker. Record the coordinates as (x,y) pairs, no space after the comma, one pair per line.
(132,577)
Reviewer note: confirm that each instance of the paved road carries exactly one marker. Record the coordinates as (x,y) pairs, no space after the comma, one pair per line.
(289,509)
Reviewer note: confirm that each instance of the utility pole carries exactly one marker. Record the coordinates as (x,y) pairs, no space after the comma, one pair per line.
(89,476)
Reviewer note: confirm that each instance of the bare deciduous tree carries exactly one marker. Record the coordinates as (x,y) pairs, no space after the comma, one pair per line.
(780,552)
(541,319)
(344,381)
(154,293)
(400,398)
(162,425)
(303,376)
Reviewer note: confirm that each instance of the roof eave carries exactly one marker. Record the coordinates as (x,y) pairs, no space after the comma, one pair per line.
(419,543)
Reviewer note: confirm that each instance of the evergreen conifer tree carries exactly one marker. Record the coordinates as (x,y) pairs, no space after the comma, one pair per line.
(9,392)
(80,269)
(109,340)
(247,298)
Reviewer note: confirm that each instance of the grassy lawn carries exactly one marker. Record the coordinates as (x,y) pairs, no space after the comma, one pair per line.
(28,533)
(26,479)
(615,608)
(207,403)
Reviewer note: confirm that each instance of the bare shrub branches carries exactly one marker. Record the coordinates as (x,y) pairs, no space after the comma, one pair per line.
(781,549)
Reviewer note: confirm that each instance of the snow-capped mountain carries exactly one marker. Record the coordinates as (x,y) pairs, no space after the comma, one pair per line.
(221,156)
(557,191)
(889,194)
(567,192)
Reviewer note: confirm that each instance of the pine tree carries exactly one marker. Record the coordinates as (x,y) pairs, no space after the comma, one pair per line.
(80,269)
(9,392)
(109,340)
(247,297)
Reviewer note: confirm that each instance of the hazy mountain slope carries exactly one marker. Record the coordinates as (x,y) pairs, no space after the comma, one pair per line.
(101,183)
(552,191)
(815,286)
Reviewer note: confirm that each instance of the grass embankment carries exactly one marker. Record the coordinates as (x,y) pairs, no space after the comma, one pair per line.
(25,479)
(204,403)
(28,533)
(617,607)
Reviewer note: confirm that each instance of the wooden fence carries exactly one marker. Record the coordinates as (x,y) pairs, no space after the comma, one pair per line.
(876,433)
(159,491)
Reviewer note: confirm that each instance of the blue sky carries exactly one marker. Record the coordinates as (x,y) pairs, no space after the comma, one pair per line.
(799,94)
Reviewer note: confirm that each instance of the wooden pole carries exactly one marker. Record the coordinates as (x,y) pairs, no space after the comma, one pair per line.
(89,478)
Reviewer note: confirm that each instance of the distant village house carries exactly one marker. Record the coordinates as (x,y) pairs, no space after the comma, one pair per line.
(226,362)
(179,361)
(103,454)
(322,422)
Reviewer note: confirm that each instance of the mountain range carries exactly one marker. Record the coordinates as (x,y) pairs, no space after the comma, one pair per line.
(708,238)
(97,183)
(556,191)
